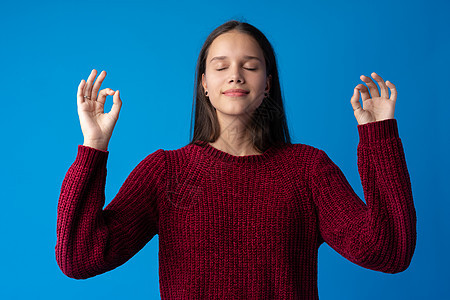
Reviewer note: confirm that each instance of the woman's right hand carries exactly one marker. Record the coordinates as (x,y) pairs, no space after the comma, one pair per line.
(97,126)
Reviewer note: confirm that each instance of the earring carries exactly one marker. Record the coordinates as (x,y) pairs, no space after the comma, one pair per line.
(265,95)
(206,93)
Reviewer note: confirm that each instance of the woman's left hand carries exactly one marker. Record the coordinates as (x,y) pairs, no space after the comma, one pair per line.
(378,107)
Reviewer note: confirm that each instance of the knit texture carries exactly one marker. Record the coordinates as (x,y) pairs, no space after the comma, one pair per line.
(240,227)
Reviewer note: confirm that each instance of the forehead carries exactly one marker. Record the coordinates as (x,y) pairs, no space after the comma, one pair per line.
(234,44)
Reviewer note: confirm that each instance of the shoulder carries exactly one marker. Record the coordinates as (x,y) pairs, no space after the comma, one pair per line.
(176,159)
(299,151)
(168,154)
(305,157)
(299,157)
(156,155)
(156,158)
(178,155)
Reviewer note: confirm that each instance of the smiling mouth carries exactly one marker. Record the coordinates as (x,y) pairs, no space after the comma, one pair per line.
(235,94)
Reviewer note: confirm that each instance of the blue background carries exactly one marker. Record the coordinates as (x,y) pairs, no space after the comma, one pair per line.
(149,50)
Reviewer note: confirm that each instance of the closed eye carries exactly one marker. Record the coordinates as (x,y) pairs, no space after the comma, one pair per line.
(250,69)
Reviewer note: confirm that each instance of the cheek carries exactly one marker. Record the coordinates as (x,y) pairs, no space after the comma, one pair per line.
(214,83)
(258,81)
(263,81)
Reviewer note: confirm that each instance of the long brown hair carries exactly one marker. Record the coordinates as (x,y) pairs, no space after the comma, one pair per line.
(268,125)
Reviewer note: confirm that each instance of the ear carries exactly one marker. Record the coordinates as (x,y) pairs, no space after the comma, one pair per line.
(204,81)
(268,83)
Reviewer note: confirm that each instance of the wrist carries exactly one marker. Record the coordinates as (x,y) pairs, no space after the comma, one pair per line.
(96,145)
(378,131)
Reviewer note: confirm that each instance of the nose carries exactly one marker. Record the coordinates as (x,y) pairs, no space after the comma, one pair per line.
(235,75)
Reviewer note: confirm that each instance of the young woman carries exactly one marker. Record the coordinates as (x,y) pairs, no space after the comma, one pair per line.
(240,211)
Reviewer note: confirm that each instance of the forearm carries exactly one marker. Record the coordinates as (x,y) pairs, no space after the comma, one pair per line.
(387,189)
(81,232)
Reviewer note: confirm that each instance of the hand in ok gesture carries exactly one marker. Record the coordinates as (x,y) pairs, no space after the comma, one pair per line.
(97,126)
(378,107)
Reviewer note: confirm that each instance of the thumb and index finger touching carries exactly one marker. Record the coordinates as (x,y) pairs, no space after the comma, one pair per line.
(365,91)
(88,91)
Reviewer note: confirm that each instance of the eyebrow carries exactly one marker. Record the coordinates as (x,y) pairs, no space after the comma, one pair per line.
(248,57)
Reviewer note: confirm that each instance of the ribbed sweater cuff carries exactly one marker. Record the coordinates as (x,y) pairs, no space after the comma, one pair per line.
(88,157)
(376,131)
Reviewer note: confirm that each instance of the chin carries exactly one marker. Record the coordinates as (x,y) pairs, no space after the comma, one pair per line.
(239,107)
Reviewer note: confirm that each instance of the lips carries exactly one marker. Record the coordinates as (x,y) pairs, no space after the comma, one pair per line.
(236,92)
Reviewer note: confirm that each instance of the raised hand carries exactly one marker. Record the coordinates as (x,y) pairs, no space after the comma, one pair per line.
(97,126)
(378,107)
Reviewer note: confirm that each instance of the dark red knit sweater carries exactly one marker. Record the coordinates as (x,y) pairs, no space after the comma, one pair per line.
(240,227)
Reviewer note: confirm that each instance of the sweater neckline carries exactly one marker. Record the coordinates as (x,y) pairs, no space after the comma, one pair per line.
(217,154)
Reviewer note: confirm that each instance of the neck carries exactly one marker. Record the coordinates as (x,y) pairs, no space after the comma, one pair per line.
(234,138)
